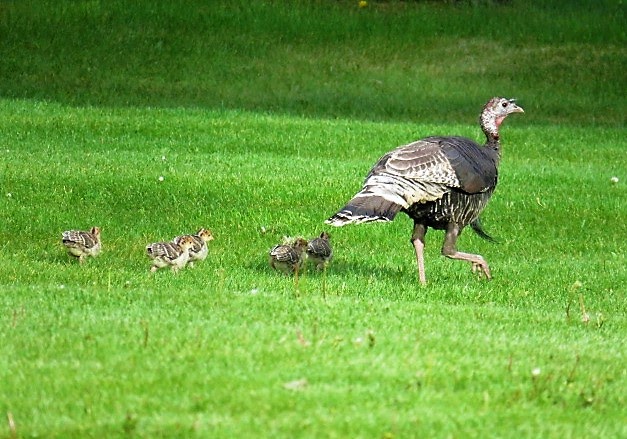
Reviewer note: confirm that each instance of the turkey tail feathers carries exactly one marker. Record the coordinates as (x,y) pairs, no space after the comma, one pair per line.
(477,227)
(365,209)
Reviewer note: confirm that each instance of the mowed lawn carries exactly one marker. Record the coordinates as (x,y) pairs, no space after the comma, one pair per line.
(232,349)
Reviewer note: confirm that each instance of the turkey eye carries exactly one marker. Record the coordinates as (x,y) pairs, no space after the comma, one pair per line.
(504,104)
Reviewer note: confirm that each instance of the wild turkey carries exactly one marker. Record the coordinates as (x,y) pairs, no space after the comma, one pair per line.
(288,258)
(82,244)
(169,254)
(319,250)
(440,182)
(199,250)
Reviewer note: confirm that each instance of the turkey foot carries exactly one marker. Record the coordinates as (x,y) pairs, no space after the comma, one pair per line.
(479,265)
(481,268)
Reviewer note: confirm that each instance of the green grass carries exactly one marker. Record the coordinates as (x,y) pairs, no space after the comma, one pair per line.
(104,349)
(392,60)
(256,148)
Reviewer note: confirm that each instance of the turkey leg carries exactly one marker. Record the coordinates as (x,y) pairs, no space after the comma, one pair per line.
(450,251)
(418,240)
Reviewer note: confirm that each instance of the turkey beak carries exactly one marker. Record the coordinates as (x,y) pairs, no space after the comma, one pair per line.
(516,109)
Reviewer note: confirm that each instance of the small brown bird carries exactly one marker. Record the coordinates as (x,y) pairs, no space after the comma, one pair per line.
(82,244)
(169,254)
(289,258)
(319,250)
(199,250)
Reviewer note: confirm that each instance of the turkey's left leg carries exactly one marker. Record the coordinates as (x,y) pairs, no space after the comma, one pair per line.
(418,240)
(449,249)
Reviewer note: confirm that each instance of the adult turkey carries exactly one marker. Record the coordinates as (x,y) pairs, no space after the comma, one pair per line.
(440,182)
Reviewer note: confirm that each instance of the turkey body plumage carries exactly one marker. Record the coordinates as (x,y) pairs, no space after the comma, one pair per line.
(435,180)
(440,182)
(439,213)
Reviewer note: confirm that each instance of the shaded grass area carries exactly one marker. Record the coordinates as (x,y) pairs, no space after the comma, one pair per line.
(408,60)
(230,348)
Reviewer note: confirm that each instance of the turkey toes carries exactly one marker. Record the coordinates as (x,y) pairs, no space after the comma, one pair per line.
(482,268)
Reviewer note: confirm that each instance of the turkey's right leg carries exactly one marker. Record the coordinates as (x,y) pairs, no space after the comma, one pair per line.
(418,240)
(449,249)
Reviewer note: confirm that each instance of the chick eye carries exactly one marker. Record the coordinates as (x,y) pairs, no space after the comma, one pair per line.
(504,104)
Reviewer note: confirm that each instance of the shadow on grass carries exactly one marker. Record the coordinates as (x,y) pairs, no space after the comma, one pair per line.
(58,258)
(341,269)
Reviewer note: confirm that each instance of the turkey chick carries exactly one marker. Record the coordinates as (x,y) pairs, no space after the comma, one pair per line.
(169,254)
(319,250)
(82,244)
(288,258)
(198,252)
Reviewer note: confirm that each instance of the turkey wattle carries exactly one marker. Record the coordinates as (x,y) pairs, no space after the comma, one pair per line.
(440,182)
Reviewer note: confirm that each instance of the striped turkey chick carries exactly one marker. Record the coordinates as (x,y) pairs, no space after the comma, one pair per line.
(82,244)
(169,254)
(199,250)
(289,258)
(319,250)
